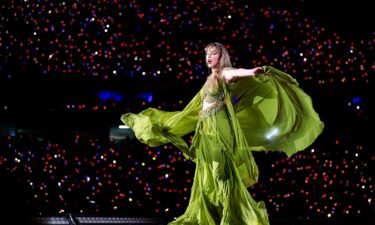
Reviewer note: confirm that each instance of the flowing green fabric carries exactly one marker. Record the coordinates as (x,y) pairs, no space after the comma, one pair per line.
(263,112)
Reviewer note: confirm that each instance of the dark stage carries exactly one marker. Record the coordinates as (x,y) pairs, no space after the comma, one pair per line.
(102,220)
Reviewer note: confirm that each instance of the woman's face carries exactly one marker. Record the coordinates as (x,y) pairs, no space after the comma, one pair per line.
(212,57)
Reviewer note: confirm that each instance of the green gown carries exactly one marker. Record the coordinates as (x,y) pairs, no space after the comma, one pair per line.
(263,112)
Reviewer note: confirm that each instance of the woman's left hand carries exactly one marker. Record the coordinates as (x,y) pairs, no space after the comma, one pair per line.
(258,70)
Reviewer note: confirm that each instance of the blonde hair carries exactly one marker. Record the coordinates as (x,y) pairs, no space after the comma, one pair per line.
(224,62)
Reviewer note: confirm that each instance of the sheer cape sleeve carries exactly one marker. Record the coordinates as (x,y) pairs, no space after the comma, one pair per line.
(271,112)
(156,127)
(274,113)
(268,111)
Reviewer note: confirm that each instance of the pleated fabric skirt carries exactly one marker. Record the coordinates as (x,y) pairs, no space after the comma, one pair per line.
(218,197)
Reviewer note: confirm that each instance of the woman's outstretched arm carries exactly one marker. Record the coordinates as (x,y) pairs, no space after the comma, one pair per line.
(236,73)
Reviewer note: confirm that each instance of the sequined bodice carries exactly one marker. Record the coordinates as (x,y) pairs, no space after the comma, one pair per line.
(213,101)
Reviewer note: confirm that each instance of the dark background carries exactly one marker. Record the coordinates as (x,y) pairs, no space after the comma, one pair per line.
(34,100)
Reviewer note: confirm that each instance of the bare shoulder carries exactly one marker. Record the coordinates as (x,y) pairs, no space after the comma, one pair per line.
(228,74)
(227,70)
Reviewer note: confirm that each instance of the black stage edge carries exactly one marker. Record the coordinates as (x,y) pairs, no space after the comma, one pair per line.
(70,219)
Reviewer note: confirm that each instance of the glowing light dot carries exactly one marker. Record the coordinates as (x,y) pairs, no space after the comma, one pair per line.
(272,133)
